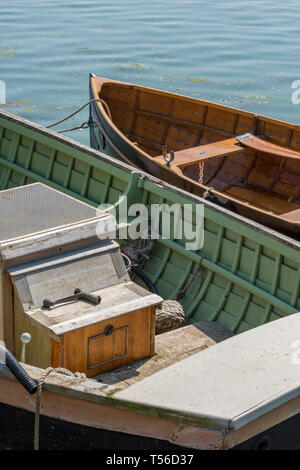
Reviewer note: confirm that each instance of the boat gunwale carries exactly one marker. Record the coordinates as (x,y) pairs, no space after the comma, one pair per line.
(196,100)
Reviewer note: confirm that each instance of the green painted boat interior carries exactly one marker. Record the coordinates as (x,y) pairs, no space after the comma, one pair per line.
(248,274)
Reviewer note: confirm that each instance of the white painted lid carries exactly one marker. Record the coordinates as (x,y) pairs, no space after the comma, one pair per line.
(231,383)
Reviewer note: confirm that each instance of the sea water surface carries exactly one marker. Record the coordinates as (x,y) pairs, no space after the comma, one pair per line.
(241,53)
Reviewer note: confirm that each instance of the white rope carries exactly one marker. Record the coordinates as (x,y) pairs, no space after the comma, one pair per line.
(59,370)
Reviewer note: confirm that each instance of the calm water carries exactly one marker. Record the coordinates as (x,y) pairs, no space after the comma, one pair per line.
(243,53)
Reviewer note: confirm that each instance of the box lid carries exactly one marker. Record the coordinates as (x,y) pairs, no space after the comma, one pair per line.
(36,217)
(116,300)
(90,268)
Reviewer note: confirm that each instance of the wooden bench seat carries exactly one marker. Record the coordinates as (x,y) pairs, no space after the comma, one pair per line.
(201,153)
(261,145)
(224,148)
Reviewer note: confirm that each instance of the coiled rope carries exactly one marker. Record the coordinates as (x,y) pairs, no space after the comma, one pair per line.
(48,371)
(85,124)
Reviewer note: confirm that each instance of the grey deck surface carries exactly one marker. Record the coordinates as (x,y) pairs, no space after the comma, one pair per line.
(36,207)
(230,383)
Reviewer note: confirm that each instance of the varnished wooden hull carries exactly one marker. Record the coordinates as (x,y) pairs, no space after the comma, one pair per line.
(265,188)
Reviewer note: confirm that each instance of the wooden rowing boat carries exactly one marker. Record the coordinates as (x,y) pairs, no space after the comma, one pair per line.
(249,163)
(249,276)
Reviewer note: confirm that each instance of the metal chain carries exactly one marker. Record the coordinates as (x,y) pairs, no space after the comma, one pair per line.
(201,172)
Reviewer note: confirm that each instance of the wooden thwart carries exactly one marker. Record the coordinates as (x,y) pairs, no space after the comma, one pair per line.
(227,147)
(256,143)
(198,154)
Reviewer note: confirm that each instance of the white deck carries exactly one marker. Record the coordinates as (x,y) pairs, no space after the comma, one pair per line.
(231,383)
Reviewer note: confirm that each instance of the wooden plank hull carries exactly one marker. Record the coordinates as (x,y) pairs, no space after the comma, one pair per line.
(144,120)
(250,275)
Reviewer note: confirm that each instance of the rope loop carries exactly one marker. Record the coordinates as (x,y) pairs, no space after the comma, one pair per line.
(48,371)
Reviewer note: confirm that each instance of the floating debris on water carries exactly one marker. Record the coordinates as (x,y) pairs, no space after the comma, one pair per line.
(166,78)
(8,52)
(64,107)
(196,80)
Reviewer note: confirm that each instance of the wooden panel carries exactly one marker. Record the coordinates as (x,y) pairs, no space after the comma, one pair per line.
(220,119)
(258,177)
(38,351)
(295,140)
(105,348)
(244,124)
(139,328)
(154,102)
(152,128)
(235,168)
(54,281)
(189,111)
(285,188)
(181,137)
(56,349)
(277,133)
(123,94)
(209,135)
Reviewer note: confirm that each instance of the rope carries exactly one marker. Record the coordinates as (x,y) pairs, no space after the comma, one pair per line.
(84,125)
(60,370)
(181,293)
(78,110)
(169,317)
(207,193)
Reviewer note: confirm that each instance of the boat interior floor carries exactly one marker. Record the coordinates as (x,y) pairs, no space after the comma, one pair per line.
(170,348)
(263,199)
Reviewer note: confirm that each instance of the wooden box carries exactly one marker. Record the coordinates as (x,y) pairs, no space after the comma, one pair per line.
(50,260)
